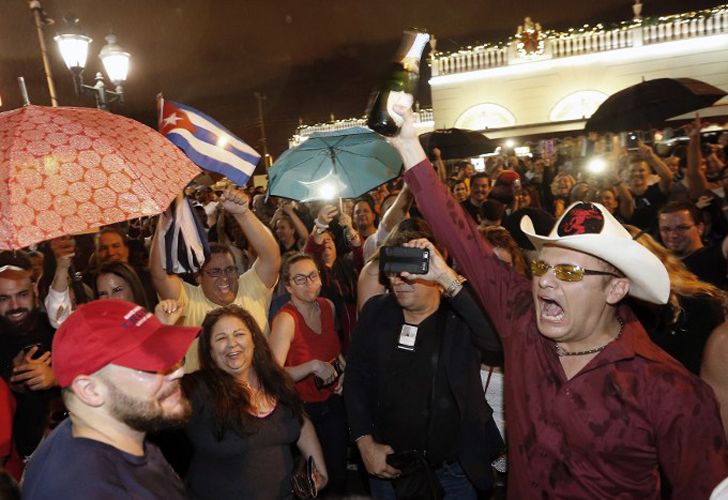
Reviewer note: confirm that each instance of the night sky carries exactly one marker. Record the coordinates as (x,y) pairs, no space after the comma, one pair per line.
(311,58)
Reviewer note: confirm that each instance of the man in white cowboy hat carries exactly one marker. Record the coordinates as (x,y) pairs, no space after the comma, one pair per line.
(594,409)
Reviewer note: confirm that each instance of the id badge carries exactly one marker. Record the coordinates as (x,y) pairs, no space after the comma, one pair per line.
(407,337)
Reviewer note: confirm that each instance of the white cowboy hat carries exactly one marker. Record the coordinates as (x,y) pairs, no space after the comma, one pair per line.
(590,228)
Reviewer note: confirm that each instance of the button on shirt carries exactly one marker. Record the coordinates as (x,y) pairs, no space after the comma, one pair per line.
(606,432)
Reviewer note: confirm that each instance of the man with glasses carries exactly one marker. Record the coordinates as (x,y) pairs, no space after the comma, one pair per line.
(681,231)
(119,369)
(594,408)
(218,282)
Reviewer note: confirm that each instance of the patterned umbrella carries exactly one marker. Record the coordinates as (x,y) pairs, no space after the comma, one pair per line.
(69,170)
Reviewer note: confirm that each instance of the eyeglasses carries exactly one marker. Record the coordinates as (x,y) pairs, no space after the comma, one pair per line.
(566,272)
(218,273)
(682,228)
(302,279)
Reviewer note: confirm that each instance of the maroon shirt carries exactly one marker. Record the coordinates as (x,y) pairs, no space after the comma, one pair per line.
(606,432)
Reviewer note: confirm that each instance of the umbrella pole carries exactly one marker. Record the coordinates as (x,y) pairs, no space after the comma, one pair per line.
(23,91)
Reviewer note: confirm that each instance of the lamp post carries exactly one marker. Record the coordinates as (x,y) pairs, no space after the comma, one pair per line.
(74,49)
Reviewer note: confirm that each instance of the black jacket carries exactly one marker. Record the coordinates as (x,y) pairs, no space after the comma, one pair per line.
(468,334)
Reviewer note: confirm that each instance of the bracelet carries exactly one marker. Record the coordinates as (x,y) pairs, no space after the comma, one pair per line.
(320,225)
(454,286)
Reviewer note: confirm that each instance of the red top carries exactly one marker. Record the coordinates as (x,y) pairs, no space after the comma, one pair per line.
(307,345)
(14,465)
(605,432)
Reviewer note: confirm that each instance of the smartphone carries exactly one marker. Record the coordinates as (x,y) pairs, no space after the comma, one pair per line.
(633,139)
(404,259)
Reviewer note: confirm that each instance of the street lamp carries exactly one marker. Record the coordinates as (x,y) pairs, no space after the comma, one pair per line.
(74,50)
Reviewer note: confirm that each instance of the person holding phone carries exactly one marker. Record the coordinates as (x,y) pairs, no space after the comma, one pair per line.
(25,355)
(413,392)
(304,341)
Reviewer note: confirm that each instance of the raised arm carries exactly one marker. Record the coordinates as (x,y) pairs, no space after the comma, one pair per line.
(268,263)
(659,166)
(497,287)
(298,225)
(697,182)
(168,286)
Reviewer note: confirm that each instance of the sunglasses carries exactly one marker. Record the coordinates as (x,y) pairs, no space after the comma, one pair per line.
(566,272)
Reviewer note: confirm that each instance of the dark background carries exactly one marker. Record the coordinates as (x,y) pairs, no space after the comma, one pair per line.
(311,58)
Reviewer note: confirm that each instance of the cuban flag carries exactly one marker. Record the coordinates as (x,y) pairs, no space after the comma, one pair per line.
(207,143)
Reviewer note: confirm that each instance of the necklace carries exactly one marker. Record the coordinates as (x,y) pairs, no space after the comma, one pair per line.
(560,351)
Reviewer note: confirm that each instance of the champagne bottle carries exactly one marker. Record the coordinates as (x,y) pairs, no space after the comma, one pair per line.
(399,87)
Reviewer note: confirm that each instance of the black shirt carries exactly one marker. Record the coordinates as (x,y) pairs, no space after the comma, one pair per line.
(407,398)
(709,265)
(646,206)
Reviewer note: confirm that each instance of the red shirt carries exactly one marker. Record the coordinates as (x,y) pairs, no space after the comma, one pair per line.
(307,345)
(606,432)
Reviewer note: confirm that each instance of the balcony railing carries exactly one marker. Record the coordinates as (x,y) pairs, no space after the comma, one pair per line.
(304,131)
(558,45)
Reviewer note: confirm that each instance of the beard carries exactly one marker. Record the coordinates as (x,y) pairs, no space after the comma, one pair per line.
(148,415)
(21,328)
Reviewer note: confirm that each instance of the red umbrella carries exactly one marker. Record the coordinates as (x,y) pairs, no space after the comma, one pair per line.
(69,170)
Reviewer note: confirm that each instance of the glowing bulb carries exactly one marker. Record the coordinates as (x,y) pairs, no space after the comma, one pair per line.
(596,165)
(328,191)
(222,141)
(510,143)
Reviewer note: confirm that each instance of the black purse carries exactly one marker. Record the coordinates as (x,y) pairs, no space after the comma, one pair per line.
(418,480)
(303,481)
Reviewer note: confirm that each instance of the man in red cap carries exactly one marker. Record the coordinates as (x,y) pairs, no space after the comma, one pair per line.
(119,369)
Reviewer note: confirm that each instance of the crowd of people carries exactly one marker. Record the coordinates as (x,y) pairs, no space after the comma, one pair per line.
(568,339)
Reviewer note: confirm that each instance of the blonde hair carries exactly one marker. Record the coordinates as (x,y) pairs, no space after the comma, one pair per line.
(682,281)
(555,183)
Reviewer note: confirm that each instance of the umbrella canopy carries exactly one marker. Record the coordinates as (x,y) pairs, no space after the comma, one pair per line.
(69,170)
(342,164)
(648,104)
(456,143)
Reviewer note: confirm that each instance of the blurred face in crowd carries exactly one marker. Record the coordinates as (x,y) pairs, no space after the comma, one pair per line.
(524,198)
(36,259)
(363,216)
(347,206)
(607,198)
(305,282)
(231,346)
(111,247)
(17,296)
(563,308)
(565,185)
(479,190)
(284,231)
(329,254)
(679,233)
(144,401)
(219,278)
(460,192)
(111,286)
(468,170)
(639,172)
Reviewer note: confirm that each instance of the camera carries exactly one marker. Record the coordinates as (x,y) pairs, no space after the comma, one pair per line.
(404,259)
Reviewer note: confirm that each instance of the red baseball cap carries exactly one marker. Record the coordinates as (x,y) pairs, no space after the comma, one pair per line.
(115,331)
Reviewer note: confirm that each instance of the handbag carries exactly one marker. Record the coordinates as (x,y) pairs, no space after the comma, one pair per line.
(418,480)
(303,481)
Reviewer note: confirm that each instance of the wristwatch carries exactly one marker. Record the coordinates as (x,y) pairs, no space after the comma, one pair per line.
(455,285)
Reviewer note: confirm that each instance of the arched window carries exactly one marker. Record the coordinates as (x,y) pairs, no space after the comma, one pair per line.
(483,116)
(577,106)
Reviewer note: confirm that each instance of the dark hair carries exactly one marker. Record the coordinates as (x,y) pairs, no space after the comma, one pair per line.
(679,206)
(479,175)
(17,258)
(218,248)
(230,400)
(502,193)
(127,273)
(113,230)
(492,210)
(409,229)
(290,258)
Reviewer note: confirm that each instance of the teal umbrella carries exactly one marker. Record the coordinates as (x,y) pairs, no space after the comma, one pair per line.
(341,164)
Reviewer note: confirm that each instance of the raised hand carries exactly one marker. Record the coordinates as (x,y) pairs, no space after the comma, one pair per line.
(235,201)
